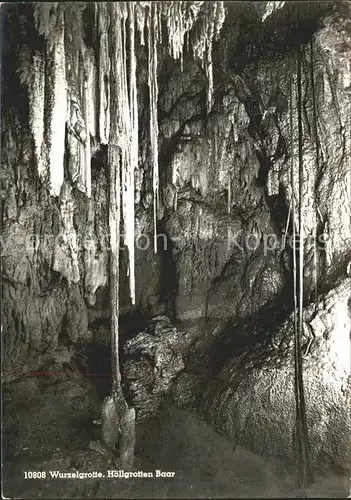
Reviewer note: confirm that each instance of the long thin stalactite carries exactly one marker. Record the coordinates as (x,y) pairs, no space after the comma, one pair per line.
(315,133)
(304,471)
(152,25)
(115,164)
(293,217)
(134,149)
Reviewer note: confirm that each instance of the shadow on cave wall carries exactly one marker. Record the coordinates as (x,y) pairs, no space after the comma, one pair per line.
(237,336)
(279,34)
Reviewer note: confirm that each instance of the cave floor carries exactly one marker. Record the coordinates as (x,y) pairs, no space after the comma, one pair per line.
(48,424)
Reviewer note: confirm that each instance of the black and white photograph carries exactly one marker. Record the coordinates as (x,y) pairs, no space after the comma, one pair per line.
(176,250)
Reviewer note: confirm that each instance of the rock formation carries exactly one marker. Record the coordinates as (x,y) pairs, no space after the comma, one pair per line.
(194,107)
(252,399)
(153,360)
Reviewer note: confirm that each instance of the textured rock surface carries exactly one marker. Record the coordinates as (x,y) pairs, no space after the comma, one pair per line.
(228,179)
(215,213)
(153,360)
(51,260)
(224,180)
(252,399)
(326,142)
(224,187)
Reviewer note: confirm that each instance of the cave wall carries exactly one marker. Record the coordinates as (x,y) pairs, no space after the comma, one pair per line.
(326,144)
(223,176)
(252,399)
(214,206)
(249,393)
(229,176)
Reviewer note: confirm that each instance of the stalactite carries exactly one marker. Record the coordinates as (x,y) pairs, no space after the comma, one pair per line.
(134,149)
(286,227)
(207,19)
(152,27)
(175,205)
(48,107)
(229,201)
(115,162)
(304,471)
(302,478)
(86,174)
(81,90)
(210,28)
(180,19)
(45,17)
(209,75)
(140,17)
(56,108)
(118,420)
(90,75)
(174,22)
(124,135)
(270,8)
(293,209)
(127,129)
(104,73)
(315,133)
(79,63)
(210,25)
(113,120)
(35,81)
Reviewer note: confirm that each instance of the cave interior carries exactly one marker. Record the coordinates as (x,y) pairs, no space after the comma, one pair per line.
(176,249)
